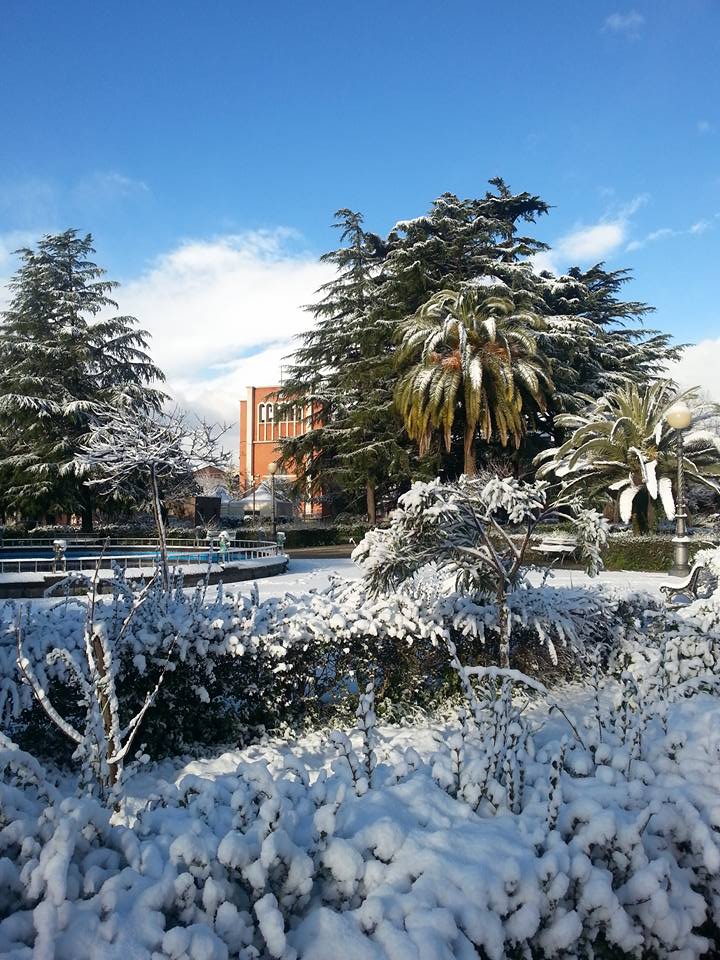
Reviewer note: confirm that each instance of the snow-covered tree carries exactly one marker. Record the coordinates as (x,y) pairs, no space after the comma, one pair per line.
(595,340)
(622,444)
(343,377)
(102,744)
(350,364)
(150,457)
(478,531)
(59,361)
(475,358)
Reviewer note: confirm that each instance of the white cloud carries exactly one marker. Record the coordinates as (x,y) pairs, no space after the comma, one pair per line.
(101,188)
(704,126)
(583,246)
(651,237)
(223,313)
(698,367)
(588,244)
(664,233)
(628,24)
(700,227)
(591,243)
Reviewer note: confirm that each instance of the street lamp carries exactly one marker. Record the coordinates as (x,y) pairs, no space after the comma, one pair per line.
(679,417)
(272,470)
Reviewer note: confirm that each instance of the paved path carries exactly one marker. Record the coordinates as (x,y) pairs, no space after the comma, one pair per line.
(314,573)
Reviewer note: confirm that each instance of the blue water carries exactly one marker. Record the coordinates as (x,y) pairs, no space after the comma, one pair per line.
(45,553)
(76,553)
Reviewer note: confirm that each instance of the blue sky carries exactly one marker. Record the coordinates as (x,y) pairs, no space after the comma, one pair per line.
(207,144)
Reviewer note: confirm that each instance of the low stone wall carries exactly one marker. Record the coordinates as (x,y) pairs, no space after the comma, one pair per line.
(34,585)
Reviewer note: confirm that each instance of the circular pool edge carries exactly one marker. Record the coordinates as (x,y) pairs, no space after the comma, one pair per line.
(36,585)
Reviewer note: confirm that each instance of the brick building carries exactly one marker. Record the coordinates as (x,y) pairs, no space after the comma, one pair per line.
(260,431)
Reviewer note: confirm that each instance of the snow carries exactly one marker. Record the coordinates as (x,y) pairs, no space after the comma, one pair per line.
(406,869)
(304,575)
(528,821)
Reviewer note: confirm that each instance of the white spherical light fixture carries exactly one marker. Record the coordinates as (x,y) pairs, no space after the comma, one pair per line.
(272,469)
(679,416)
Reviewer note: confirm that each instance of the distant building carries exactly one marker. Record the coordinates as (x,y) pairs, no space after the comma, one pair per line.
(260,432)
(212,481)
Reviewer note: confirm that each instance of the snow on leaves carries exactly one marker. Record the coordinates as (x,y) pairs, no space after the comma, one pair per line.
(509,833)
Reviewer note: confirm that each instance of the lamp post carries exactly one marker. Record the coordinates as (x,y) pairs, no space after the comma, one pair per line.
(679,417)
(272,470)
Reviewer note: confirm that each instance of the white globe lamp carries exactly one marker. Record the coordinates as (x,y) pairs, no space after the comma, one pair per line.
(679,417)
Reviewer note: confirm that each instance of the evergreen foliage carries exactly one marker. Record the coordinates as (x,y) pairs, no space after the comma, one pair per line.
(580,335)
(595,340)
(60,358)
(343,375)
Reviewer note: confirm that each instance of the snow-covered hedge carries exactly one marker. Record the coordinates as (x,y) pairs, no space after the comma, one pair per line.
(234,666)
(509,836)
(651,552)
(239,666)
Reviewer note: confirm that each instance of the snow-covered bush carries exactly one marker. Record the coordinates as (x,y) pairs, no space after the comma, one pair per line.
(467,528)
(240,666)
(510,834)
(232,666)
(676,650)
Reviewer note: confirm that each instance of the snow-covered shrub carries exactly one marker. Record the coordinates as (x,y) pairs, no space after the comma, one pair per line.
(511,835)
(231,665)
(674,649)
(466,527)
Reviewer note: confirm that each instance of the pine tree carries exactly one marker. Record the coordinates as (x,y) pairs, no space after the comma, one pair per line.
(597,341)
(344,374)
(350,363)
(58,361)
(462,241)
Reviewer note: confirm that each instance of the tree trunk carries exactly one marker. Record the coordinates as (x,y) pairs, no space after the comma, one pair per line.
(470,466)
(87,513)
(160,527)
(640,513)
(503,628)
(370,495)
(105,705)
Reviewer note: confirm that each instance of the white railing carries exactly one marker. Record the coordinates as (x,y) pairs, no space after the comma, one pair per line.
(197,556)
(200,543)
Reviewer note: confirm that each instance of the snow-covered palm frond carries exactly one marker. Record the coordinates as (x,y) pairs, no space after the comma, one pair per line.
(476,335)
(626,501)
(625,433)
(665,493)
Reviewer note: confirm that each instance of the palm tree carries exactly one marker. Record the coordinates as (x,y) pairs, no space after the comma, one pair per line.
(622,444)
(473,350)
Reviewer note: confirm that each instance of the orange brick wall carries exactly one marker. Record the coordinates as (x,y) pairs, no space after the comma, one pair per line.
(260,432)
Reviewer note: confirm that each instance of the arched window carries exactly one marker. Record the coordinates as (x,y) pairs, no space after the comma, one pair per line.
(270,412)
(261,413)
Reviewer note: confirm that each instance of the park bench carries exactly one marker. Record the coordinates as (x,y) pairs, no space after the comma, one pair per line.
(556,545)
(699,584)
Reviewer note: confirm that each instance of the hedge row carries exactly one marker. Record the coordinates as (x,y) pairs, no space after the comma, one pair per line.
(324,536)
(653,554)
(647,553)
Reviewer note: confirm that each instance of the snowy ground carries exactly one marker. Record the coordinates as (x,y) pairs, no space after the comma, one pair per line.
(313,574)
(305,574)
(282,852)
(515,830)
